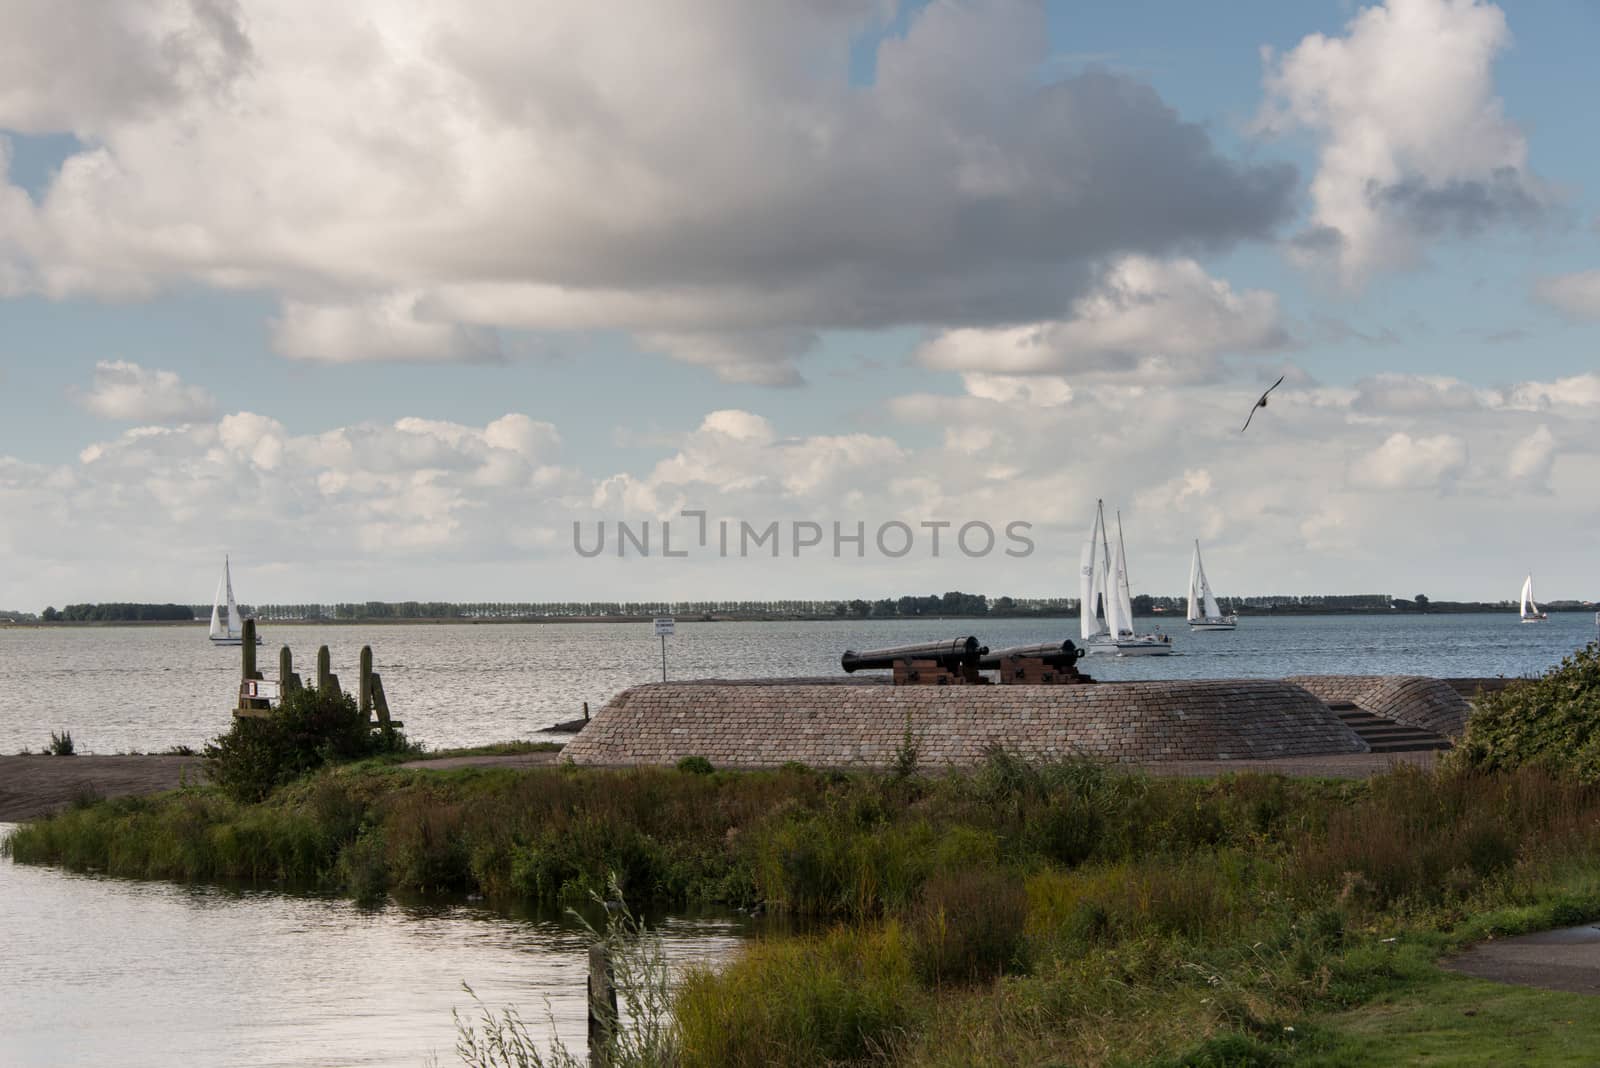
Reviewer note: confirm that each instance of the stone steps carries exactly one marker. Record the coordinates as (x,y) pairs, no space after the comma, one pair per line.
(1385,735)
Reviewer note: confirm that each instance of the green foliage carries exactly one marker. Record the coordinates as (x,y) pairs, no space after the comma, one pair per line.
(695,765)
(1553,721)
(60,744)
(308,729)
(968,926)
(842,996)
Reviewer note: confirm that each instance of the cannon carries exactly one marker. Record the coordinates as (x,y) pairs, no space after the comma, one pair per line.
(1044,664)
(940,663)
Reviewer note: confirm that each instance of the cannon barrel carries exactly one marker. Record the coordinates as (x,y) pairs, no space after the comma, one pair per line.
(1062,654)
(948,654)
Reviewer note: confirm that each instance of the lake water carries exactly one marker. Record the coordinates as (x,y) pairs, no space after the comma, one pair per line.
(121,689)
(102,971)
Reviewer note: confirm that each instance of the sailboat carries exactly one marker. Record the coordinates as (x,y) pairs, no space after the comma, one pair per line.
(1200,596)
(1103,590)
(1530,611)
(227,626)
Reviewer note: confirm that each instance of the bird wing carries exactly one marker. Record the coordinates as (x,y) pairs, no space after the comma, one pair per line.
(1261,402)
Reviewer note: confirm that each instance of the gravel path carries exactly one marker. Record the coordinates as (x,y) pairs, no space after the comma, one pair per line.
(1551,960)
(34,786)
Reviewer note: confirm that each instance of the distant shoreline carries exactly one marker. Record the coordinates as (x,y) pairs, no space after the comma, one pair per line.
(1259,613)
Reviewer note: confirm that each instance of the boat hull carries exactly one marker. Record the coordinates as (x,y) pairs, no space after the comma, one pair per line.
(1213,624)
(1131,647)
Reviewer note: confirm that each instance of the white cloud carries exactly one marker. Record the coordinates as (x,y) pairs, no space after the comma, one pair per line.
(1413,141)
(443,167)
(124,391)
(1396,393)
(1576,296)
(382,328)
(1039,391)
(1141,309)
(1532,458)
(1573,391)
(1406,463)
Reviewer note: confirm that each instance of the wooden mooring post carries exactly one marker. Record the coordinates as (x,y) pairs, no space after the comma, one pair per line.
(256,692)
(602,1006)
(253,700)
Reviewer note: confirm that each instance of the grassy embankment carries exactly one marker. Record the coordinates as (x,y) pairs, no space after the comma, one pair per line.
(1068,914)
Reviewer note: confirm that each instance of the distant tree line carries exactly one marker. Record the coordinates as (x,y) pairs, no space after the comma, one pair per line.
(118,612)
(911,606)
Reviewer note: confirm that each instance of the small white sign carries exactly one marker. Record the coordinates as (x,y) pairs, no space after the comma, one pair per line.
(664,626)
(259,689)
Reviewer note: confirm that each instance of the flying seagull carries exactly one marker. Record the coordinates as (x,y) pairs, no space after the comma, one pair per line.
(1261,403)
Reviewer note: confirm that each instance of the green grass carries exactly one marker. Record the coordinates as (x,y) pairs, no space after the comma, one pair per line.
(1466,1022)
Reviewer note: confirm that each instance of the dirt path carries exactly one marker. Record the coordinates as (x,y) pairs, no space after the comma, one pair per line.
(1551,960)
(34,786)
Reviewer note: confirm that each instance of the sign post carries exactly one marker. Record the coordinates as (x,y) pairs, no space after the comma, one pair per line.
(664,625)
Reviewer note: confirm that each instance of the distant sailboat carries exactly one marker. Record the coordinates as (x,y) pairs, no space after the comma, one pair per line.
(1200,596)
(1530,612)
(1103,589)
(227,626)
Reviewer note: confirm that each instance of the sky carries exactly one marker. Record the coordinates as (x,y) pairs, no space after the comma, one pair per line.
(411,300)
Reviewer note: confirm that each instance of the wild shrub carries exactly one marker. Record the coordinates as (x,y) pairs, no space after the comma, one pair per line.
(968,926)
(308,729)
(696,765)
(60,744)
(1552,721)
(842,996)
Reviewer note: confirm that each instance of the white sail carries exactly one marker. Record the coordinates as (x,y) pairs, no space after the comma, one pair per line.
(1212,609)
(1194,585)
(1119,618)
(1530,607)
(1124,592)
(216,611)
(235,622)
(1088,622)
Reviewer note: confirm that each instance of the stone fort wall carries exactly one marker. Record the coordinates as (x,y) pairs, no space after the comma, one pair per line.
(1415,700)
(764,723)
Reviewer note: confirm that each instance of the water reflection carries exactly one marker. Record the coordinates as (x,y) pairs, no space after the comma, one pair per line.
(110,971)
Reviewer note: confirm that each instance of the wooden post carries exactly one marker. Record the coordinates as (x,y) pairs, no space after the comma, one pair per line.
(327,681)
(380,704)
(247,671)
(288,681)
(247,647)
(602,1005)
(364,687)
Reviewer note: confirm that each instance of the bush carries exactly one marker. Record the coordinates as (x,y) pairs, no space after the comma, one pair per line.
(696,765)
(308,729)
(968,926)
(60,744)
(843,996)
(1552,721)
